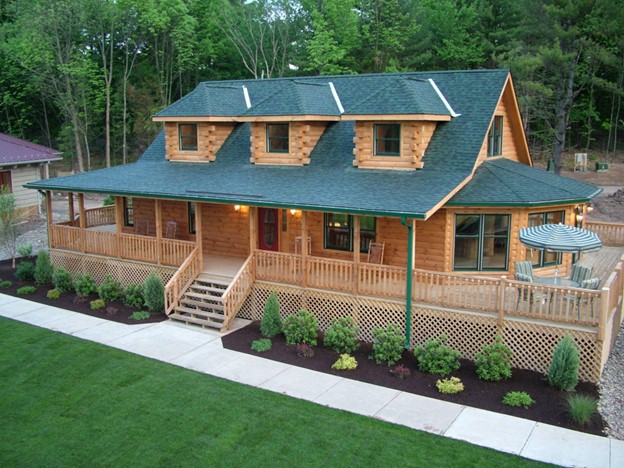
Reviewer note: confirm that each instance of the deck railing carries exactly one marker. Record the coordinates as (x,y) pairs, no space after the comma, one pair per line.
(238,290)
(170,252)
(609,233)
(100,216)
(180,282)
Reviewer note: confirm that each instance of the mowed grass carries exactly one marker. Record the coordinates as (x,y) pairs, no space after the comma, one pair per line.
(68,402)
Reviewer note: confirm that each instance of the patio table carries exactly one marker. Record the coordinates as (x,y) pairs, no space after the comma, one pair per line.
(556,281)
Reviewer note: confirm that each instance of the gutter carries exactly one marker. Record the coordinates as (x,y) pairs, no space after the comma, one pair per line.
(408,285)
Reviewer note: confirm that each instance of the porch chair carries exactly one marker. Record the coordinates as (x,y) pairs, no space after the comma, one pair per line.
(524,268)
(580,273)
(526,294)
(376,252)
(298,250)
(593,284)
(170,229)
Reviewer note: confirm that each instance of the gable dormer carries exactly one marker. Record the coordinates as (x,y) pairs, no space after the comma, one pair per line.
(393,126)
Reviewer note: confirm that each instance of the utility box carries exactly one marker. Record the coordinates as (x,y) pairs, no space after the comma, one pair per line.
(580,162)
(602,167)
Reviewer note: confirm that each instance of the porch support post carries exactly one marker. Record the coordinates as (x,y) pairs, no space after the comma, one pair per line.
(408,286)
(48,199)
(83,222)
(253,229)
(304,247)
(199,233)
(72,214)
(118,223)
(158,229)
(356,254)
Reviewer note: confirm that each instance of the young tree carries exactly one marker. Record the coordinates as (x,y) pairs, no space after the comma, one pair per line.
(9,223)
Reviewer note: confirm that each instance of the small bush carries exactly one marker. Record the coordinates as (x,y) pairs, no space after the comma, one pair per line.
(341,335)
(154,293)
(345,362)
(26,290)
(110,290)
(54,294)
(108,200)
(435,357)
(305,350)
(25,271)
(271,324)
(564,367)
(140,315)
(582,408)
(44,270)
(493,361)
(25,250)
(63,280)
(401,372)
(133,296)
(79,298)
(261,345)
(387,344)
(85,285)
(450,386)
(518,399)
(97,304)
(301,327)
(110,310)
(5,284)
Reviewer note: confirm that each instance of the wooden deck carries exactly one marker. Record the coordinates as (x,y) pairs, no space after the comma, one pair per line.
(220,265)
(603,261)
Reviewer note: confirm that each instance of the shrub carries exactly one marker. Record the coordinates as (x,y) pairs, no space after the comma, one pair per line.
(261,345)
(401,372)
(450,386)
(133,296)
(5,284)
(97,304)
(154,293)
(108,200)
(44,270)
(85,285)
(582,408)
(79,299)
(26,290)
(110,310)
(435,357)
(305,350)
(387,344)
(25,271)
(518,399)
(271,324)
(341,335)
(140,315)
(63,280)
(493,361)
(345,362)
(54,294)
(564,367)
(25,250)
(110,290)
(301,327)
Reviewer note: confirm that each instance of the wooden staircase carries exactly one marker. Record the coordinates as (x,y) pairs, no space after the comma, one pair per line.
(202,303)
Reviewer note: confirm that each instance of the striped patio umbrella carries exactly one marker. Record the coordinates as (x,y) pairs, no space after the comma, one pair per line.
(560,238)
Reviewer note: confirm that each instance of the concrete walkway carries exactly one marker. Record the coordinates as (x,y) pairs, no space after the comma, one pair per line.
(202,351)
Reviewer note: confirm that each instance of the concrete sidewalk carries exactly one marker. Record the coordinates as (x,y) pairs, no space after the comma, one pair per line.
(202,351)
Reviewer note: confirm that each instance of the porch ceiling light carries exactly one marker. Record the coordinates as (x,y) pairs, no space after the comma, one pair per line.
(294,212)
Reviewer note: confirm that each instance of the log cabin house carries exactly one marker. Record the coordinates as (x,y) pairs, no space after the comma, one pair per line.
(388,198)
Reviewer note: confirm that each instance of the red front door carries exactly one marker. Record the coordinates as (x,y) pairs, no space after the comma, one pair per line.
(268,229)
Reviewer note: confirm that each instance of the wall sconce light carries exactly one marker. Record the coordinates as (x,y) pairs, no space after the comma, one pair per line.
(579,215)
(237,208)
(295,212)
(590,208)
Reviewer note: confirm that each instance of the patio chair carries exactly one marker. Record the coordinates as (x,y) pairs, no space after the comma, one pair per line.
(593,284)
(524,268)
(298,250)
(376,252)
(170,229)
(580,273)
(525,294)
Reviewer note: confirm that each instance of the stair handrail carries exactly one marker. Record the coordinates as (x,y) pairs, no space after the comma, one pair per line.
(181,280)
(238,290)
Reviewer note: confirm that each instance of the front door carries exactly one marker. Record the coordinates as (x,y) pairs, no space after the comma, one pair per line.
(268,229)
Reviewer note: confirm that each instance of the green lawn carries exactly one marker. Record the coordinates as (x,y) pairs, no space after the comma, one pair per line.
(68,402)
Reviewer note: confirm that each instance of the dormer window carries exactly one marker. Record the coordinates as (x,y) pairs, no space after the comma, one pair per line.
(495,137)
(387,139)
(188,137)
(277,138)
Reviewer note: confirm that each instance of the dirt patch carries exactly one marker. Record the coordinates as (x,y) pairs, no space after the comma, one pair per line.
(114,311)
(550,406)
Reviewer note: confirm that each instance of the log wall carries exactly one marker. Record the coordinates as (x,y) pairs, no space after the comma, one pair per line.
(210,137)
(225,231)
(302,139)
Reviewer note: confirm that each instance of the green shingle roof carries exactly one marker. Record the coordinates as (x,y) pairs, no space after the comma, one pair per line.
(330,182)
(218,99)
(293,97)
(501,182)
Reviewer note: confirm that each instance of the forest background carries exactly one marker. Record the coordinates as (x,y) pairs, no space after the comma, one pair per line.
(85,76)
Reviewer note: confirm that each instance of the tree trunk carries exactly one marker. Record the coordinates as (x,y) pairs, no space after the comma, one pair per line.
(563,105)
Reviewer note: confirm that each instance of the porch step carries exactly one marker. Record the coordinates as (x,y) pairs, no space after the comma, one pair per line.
(187,311)
(210,289)
(196,321)
(202,304)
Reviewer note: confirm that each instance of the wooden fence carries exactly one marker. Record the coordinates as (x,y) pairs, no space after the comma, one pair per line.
(609,233)
(100,216)
(238,290)
(180,282)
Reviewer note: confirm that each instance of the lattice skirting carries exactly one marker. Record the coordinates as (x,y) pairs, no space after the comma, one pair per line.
(124,271)
(532,343)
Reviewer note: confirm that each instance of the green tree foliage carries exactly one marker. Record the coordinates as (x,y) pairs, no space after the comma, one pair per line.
(44,270)
(564,366)
(9,223)
(271,324)
(154,293)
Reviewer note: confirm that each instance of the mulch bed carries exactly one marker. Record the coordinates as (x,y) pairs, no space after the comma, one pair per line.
(550,405)
(114,311)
